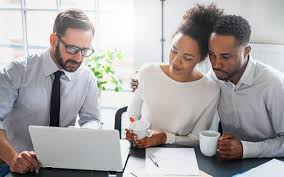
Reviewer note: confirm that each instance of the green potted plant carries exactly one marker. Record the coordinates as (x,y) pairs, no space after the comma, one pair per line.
(102,65)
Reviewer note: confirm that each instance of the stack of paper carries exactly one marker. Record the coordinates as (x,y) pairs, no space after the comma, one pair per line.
(171,161)
(273,168)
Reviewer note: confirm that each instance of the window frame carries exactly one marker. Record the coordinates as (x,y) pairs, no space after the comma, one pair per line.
(23,10)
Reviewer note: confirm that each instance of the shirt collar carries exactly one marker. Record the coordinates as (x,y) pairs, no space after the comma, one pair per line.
(247,77)
(50,67)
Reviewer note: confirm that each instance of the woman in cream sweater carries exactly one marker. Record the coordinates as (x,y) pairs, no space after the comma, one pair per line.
(178,100)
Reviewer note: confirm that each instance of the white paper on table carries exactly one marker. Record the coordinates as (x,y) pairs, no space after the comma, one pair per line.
(273,168)
(172,161)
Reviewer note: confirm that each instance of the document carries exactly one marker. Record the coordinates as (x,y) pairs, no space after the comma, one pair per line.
(273,168)
(171,161)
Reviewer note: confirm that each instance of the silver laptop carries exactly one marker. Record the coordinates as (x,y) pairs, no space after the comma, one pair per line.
(79,148)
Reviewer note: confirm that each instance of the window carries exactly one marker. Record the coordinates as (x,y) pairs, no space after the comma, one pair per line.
(28,24)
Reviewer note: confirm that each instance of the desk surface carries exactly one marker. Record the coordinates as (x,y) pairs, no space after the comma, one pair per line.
(213,166)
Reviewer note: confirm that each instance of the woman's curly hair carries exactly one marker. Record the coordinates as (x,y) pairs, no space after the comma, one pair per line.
(198,23)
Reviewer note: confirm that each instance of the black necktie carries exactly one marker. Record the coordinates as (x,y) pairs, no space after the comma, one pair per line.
(55,100)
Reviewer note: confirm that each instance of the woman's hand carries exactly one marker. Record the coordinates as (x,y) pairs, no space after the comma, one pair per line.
(130,136)
(156,138)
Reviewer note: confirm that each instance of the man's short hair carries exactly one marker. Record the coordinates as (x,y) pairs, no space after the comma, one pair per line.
(233,25)
(72,18)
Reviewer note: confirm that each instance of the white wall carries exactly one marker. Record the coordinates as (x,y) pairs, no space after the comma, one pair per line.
(266,19)
(114,25)
(147,34)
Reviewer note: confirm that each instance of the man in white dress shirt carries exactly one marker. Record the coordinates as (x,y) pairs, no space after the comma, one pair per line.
(252,94)
(48,89)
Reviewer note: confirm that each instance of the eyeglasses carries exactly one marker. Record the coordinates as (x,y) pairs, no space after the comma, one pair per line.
(71,49)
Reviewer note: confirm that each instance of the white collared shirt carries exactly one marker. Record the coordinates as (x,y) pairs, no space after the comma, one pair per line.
(253,110)
(25,91)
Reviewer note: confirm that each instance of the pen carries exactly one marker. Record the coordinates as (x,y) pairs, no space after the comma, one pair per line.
(154,162)
(133,174)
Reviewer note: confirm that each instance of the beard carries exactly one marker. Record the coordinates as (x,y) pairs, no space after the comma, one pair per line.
(69,65)
(225,76)
(221,75)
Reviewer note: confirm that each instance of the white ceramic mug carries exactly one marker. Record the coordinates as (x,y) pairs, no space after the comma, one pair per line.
(140,128)
(208,141)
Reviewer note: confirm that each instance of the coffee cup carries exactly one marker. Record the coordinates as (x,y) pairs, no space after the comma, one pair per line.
(140,128)
(208,141)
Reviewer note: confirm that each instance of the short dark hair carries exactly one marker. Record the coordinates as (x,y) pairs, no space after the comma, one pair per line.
(234,25)
(198,23)
(72,18)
